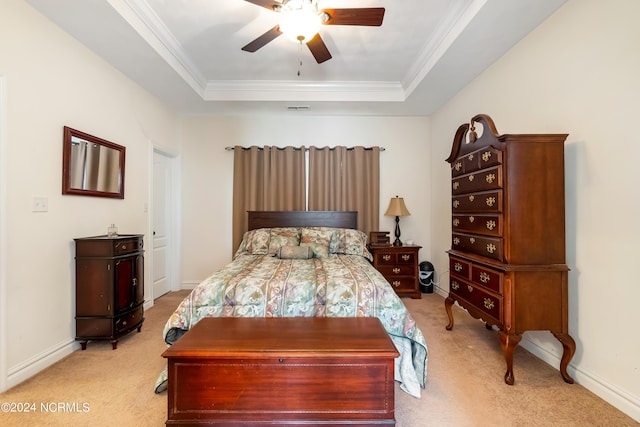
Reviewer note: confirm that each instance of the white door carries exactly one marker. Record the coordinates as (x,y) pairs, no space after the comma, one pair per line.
(162,186)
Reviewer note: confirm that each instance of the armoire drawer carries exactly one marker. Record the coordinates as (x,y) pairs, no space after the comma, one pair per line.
(487,224)
(489,179)
(482,202)
(483,158)
(488,278)
(488,303)
(490,247)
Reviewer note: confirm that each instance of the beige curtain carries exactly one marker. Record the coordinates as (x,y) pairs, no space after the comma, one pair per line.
(266,178)
(344,178)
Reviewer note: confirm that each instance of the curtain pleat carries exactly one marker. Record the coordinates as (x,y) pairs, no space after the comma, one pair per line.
(266,178)
(346,179)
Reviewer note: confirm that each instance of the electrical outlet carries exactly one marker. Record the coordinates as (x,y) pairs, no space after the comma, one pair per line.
(40,204)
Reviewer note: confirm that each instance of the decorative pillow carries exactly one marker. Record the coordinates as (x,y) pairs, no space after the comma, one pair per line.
(334,243)
(318,240)
(283,236)
(258,241)
(254,242)
(353,242)
(294,252)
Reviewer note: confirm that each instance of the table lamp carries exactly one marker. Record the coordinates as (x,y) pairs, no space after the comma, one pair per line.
(397,208)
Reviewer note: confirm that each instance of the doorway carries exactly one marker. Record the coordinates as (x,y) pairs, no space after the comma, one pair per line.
(163,224)
(3,237)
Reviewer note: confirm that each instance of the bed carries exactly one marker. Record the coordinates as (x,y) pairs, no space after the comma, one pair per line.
(304,264)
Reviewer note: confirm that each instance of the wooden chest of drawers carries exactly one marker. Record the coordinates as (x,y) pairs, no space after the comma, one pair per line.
(507,257)
(314,371)
(399,265)
(109,287)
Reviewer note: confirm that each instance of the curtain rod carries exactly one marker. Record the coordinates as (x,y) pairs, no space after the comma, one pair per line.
(300,148)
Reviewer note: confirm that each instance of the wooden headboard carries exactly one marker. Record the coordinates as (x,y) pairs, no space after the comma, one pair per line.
(269,219)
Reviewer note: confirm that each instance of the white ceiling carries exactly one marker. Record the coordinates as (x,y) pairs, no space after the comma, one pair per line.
(188,52)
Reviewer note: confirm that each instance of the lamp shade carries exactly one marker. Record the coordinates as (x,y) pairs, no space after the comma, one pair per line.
(397,207)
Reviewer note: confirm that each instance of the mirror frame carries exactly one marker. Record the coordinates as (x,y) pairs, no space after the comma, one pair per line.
(69,133)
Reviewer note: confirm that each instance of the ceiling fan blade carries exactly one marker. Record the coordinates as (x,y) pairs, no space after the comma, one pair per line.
(263,39)
(371,16)
(267,4)
(319,49)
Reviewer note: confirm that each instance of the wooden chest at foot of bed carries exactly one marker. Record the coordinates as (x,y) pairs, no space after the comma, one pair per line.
(282,371)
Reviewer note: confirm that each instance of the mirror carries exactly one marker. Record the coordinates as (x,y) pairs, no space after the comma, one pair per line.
(92,166)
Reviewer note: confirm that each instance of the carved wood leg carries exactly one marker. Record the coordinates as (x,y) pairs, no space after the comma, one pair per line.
(569,346)
(509,343)
(114,344)
(448,302)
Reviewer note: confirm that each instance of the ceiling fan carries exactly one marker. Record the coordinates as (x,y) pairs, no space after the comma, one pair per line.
(300,20)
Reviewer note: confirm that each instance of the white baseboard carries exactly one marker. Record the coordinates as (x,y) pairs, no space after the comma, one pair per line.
(188,285)
(608,392)
(30,367)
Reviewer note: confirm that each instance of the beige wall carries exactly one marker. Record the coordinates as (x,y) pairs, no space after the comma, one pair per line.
(577,73)
(208,174)
(50,81)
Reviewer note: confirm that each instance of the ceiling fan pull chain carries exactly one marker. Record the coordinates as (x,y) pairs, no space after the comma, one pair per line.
(299,58)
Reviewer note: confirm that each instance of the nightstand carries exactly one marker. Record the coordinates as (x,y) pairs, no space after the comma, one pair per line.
(399,265)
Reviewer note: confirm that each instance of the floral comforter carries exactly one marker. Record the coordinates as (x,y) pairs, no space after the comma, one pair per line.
(336,286)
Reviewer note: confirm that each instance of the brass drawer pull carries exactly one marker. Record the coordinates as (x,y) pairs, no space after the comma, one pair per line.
(396,283)
(491,201)
(406,257)
(491,248)
(470,288)
(455,285)
(490,177)
(458,267)
(386,257)
(488,303)
(486,156)
(396,270)
(491,225)
(484,277)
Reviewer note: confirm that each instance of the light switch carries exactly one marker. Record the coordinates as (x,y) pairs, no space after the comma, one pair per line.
(40,204)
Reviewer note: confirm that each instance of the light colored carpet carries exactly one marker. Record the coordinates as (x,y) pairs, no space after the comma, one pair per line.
(465,385)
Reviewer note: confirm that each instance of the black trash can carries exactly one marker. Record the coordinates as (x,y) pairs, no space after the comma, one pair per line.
(426,276)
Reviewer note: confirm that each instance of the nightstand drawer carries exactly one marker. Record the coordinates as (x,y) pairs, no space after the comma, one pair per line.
(385,258)
(402,283)
(399,266)
(397,270)
(396,258)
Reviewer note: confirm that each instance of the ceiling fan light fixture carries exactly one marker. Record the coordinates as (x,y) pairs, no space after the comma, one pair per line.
(300,20)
